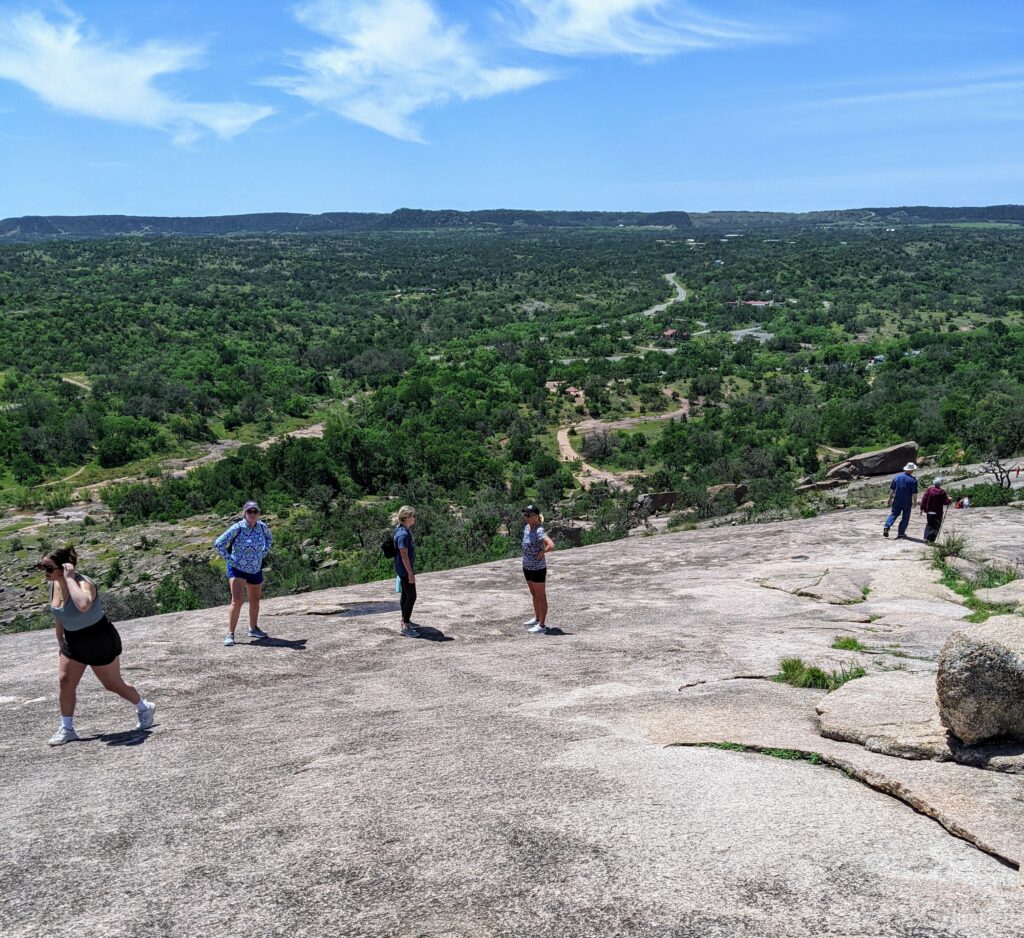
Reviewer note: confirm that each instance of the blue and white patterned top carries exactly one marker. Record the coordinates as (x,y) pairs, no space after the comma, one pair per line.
(243,547)
(533,544)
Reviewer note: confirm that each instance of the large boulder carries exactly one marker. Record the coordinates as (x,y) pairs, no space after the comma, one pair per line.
(653,502)
(879,462)
(727,488)
(981,680)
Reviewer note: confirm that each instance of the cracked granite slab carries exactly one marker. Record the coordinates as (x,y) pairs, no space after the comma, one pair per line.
(346,781)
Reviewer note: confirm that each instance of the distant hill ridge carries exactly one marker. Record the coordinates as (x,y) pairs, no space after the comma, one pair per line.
(44,227)
(39,227)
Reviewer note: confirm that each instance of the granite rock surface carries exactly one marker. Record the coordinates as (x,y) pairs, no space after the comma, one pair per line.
(341,780)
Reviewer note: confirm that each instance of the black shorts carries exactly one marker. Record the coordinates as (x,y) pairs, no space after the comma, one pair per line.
(535,576)
(95,645)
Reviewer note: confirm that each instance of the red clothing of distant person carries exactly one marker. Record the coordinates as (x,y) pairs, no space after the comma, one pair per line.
(935,500)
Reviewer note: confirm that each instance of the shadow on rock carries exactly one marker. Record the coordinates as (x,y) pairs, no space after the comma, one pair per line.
(298,644)
(127,738)
(431,634)
(555,630)
(982,755)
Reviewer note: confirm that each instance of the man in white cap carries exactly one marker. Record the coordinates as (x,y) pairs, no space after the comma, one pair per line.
(902,498)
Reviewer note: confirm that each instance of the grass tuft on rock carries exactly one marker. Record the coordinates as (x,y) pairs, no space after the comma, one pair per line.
(848,643)
(989,577)
(951,545)
(796,672)
(789,755)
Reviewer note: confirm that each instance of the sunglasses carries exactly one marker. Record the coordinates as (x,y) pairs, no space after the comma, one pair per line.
(252,511)
(46,567)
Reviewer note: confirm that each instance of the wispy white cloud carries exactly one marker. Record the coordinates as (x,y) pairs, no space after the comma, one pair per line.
(390,60)
(73,70)
(941,93)
(651,28)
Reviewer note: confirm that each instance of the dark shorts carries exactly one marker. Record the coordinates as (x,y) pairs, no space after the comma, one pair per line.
(535,576)
(253,579)
(95,645)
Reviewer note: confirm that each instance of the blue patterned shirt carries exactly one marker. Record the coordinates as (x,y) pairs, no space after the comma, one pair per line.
(533,544)
(243,547)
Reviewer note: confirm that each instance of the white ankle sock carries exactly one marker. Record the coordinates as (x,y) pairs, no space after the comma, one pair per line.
(142,704)
(67,723)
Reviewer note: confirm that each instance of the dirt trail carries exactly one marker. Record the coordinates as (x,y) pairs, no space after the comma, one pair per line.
(213,452)
(589,474)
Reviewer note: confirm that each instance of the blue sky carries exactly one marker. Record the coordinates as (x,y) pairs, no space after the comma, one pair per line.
(194,107)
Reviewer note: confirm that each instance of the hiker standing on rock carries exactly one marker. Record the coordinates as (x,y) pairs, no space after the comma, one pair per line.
(245,546)
(934,503)
(405,567)
(536,544)
(902,497)
(87,639)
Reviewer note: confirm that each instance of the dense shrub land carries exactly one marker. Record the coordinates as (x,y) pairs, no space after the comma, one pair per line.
(439,363)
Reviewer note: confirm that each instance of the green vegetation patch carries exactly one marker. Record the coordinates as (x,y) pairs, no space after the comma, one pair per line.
(788,755)
(848,643)
(30,623)
(988,577)
(796,672)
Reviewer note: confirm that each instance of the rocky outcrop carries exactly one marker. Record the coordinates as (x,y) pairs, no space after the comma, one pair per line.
(968,569)
(738,492)
(1009,594)
(823,486)
(289,785)
(834,587)
(653,502)
(895,713)
(879,462)
(981,680)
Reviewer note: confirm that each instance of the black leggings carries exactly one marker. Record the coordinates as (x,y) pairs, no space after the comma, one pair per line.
(408,598)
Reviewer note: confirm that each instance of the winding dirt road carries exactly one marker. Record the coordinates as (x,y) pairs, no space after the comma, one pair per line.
(589,474)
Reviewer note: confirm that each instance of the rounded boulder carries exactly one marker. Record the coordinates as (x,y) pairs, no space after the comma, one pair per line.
(980,683)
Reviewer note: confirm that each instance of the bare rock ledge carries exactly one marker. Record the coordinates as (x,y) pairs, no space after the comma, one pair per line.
(340,780)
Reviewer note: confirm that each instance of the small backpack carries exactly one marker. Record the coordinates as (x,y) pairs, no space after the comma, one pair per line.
(388,547)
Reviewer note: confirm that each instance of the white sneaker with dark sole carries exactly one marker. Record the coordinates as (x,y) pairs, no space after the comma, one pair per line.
(229,640)
(532,622)
(146,716)
(539,629)
(66,734)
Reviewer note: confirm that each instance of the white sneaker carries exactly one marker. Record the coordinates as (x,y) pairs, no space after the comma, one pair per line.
(539,629)
(229,640)
(66,734)
(146,716)
(533,621)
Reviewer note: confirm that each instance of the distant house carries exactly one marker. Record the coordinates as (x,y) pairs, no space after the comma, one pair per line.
(670,333)
(572,392)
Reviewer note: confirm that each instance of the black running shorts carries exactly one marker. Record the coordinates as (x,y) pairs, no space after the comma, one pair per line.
(95,645)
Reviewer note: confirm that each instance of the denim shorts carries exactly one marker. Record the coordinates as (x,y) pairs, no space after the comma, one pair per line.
(253,579)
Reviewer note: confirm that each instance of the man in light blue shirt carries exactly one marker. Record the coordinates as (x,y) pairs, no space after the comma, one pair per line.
(902,498)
